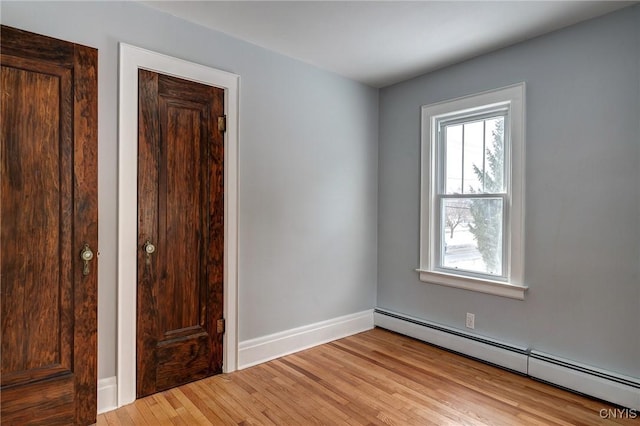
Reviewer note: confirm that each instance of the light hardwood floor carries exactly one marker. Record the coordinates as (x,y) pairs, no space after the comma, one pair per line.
(376,377)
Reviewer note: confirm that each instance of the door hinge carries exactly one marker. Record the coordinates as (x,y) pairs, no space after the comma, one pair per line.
(222,123)
(220,326)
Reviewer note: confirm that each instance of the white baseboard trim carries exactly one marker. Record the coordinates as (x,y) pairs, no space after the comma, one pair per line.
(489,350)
(107,394)
(262,349)
(608,386)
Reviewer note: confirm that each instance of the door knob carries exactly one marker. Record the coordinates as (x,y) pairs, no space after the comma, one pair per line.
(149,248)
(86,255)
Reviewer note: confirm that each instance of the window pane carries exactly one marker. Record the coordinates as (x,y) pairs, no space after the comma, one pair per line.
(473,147)
(471,233)
(494,155)
(453,164)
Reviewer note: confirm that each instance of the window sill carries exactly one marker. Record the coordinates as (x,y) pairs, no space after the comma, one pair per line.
(498,288)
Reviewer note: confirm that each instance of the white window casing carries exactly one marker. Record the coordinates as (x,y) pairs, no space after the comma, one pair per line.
(510,100)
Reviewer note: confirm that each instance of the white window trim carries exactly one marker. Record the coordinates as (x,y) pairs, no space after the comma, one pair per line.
(514,286)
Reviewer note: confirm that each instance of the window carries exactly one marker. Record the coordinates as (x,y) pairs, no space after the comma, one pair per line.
(472,201)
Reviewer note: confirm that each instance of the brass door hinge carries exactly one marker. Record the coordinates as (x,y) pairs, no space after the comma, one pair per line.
(222,123)
(220,326)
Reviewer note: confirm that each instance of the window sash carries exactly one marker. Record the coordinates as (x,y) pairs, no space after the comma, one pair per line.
(461,119)
(438,243)
(440,194)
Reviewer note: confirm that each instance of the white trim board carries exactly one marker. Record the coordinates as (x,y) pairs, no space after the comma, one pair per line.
(568,374)
(262,349)
(131,59)
(107,394)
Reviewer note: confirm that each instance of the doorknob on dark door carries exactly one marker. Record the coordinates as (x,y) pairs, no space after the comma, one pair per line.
(149,248)
(86,255)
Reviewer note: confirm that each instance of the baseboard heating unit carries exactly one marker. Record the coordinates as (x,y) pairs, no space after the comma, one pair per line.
(605,385)
(608,386)
(488,350)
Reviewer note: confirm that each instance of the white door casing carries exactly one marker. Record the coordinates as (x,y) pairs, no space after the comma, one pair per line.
(131,59)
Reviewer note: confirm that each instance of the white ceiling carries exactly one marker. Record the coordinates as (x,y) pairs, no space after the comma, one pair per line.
(383,42)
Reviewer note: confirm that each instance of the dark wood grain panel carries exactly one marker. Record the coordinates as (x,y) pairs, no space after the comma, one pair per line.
(48,211)
(35,179)
(39,47)
(148,166)
(85,208)
(180,205)
(181,209)
(185,91)
(215,237)
(183,362)
(54,398)
(43,319)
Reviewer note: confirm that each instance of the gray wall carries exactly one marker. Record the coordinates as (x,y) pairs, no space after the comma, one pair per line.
(308,167)
(312,178)
(582,194)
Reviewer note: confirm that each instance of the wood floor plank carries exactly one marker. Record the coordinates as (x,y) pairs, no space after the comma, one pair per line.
(156,408)
(227,412)
(413,377)
(476,387)
(335,403)
(165,407)
(136,415)
(372,378)
(304,386)
(111,418)
(347,384)
(243,403)
(143,409)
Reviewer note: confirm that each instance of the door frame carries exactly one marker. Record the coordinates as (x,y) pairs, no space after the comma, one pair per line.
(131,59)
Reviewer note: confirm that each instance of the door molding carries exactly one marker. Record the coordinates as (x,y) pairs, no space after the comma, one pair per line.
(131,59)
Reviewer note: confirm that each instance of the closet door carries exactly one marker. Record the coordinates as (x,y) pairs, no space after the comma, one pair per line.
(180,231)
(49,229)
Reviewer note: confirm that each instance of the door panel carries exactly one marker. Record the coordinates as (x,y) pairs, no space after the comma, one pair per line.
(35,176)
(182,225)
(180,211)
(48,212)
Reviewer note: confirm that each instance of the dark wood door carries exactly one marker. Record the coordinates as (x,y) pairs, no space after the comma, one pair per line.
(48,214)
(180,232)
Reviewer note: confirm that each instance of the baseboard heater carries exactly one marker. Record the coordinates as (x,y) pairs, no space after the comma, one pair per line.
(608,386)
(605,385)
(488,350)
